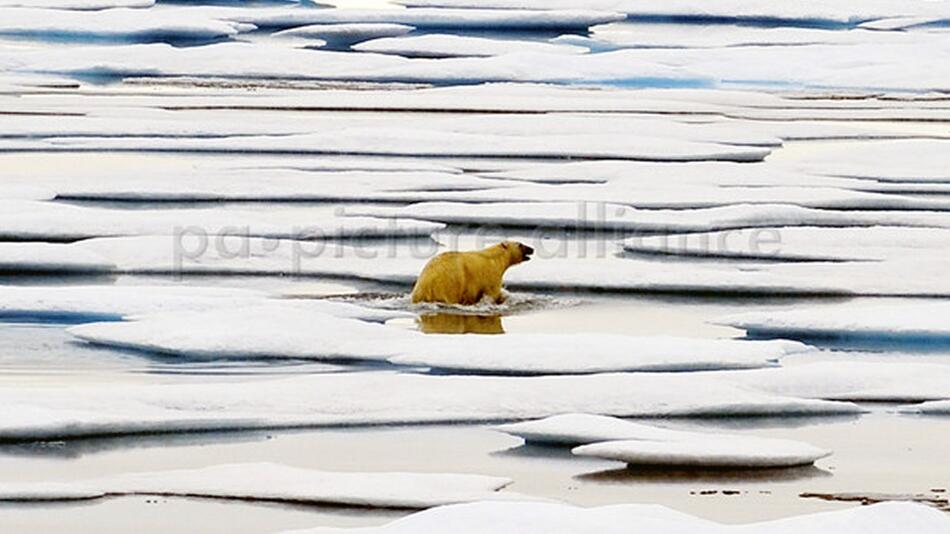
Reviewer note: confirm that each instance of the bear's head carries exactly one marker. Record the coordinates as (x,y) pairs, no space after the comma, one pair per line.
(517,252)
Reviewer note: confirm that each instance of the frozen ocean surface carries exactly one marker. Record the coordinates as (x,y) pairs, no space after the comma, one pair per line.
(212,213)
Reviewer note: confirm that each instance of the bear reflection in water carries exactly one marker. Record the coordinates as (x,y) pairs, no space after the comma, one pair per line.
(455,323)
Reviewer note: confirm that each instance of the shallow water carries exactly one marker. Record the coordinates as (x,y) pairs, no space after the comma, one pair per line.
(860,445)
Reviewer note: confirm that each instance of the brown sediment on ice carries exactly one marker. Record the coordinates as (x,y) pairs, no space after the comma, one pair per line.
(936,498)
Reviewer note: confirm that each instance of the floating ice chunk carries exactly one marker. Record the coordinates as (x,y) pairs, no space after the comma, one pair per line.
(282,62)
(114,302)
(442,19)
(606,216)
(916,160)
(635,443)
(79,5)
(853,381)
(917,323)
(445,45)
(406,142)
(369,398)
(543,518)
(744,452)
(279,483)
(149,123)
(344,35)
(50,258)
(928,408)
(587,353)
(115,24)
(254,184)
(685,11)
(876,243)
(311,332)
(61,222)
(582,429)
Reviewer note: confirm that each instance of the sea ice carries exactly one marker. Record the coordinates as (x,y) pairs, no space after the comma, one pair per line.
(129,25)
(874,243)
(447,45)
(742,452)
(853,381)
(917,323)
(279,483)
(369,398)
(79,5)
(293,330)
(50,258)
(61,222)
(543,518)
(345,35)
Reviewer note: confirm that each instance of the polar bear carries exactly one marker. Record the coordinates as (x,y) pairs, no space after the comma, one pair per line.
(467,277)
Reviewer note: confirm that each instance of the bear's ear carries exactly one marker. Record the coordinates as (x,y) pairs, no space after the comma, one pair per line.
(505,245)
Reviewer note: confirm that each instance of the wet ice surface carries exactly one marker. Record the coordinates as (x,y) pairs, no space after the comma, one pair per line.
(226,240)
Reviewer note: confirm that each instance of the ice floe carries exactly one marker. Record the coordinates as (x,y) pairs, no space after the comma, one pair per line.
(79,5)
(282,62)
(277,483)
(853,381)
(49,221)
(105,302)
(618,217)
(344,35)
(918,323)
(636,443)
(919,160)
(252,184)
(441,19)
(928,408)
(309,331)
(396,398)
(407,142)
(747,452)
(875,243)
(447,45)
(685,11)
(51,258)
(131,25)
(542,518)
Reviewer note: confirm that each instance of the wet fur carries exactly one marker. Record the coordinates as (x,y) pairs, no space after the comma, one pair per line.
(467,277)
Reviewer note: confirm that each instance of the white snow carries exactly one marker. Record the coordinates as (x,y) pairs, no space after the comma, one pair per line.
(54,221)
(116,302)
(447,45)
(853,381)
(47,257)
(345,34)
(420,143)
(840,12)
(260,60)
(544,518)
(295,330)
(918,160)
(277,482)
(251,184)
(875,243)
(368,398)
(928,408)
(608,216)
(891,323)
(79,5)
(744,452)
(443,19)
(123,24)
(616,439)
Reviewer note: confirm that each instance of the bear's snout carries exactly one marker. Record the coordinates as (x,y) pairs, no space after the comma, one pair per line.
(526,252)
